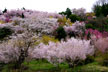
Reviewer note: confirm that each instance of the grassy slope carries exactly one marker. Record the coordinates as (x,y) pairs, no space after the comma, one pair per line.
(47,67)
(44,66)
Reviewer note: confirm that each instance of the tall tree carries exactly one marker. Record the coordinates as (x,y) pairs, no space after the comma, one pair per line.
(100,8)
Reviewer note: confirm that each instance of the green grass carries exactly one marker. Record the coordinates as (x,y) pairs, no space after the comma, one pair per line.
(44,66)
(47,67)
(94,67)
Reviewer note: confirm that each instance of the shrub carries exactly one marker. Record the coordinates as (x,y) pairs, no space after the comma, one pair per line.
(74,18)
(5,10)
(89,26)
(4,32)
(105,59)
(102,46)
(100,24)
(63,21)
(61,34)
(22,16)
(46,39)
(76,30)
(89,59)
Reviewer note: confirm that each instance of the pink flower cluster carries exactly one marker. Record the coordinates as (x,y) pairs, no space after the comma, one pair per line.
(102,44)
(7,16)
(80,12)
(97,33)
(76,27)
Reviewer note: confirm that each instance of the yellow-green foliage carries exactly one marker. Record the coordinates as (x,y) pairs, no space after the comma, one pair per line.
(69,22)
(45,39)
(50,16)
(90,14)
(37,43)
(37,40)
(2,22)
(63,21)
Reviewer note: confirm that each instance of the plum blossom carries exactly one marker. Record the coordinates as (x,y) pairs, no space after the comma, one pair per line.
(77,28)
(72,49)
(101,44)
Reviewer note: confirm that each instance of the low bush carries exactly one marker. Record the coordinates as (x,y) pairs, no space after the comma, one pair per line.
(60,33)
(100,24)
(4,32)
(74,18)
(46,39)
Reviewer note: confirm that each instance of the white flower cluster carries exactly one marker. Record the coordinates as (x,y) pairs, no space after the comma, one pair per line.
(73,49)
(34,14)
(37,25)
(41,22)
(41,25)
(79,12)
(23,45)
(17,48)
(27,14)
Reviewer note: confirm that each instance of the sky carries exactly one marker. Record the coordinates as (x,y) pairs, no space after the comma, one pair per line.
(47,5)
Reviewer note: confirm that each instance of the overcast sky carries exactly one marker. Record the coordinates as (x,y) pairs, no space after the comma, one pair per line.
(47,5)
